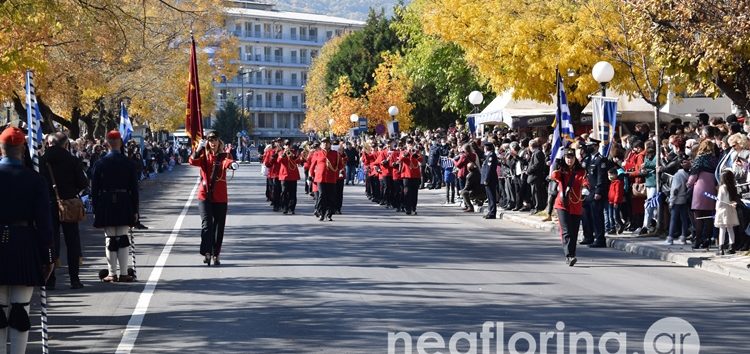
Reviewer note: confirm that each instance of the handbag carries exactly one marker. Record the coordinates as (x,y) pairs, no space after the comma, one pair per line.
(69,210)
(639,190)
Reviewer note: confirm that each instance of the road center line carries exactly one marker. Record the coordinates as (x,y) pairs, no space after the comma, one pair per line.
(136,319)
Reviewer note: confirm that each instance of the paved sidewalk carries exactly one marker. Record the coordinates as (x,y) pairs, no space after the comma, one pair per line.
(735,266)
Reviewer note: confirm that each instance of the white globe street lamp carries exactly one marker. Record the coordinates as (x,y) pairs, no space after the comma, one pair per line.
(476,98)
(393,111)
(354,118)
(603,72)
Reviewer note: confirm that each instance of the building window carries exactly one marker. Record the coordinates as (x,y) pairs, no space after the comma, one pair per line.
(267,53)
(295,101)
(248,52)
(303,56)
(338,33)
(277,31)
(268,77)
(237,29)
(248,29)
(304,103)
(279,100)
(269,100)
(294,80)
(313,34)
(257,31)
(304,78)
(293,33)
(266,30)
(265,120)
(284,121)
(296,120)
(313,53)
(294,57)
(278,55)
(259,100)
(303,33)
(279,77)
(329,34)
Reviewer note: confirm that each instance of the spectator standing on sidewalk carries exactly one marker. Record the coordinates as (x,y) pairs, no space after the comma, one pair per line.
(679,223)
(61,167)
(489,179)
(726,211)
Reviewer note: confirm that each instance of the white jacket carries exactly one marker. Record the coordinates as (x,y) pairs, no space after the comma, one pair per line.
(726,215)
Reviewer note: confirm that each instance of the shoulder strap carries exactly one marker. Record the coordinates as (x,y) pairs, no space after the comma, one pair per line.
(54,183)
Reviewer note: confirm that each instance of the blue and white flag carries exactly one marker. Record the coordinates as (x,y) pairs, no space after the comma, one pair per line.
(33,121)
(604,120)
(653,203)
(563,123)
(126,129)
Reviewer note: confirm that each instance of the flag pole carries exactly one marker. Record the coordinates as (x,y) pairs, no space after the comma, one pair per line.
(559,107)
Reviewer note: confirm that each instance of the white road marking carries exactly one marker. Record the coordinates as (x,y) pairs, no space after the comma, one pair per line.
(136,319)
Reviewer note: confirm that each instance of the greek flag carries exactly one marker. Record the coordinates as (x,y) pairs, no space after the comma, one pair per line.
(126,129)
(446,162)
(604,120)
(653,203)
(563,119)
(33,121)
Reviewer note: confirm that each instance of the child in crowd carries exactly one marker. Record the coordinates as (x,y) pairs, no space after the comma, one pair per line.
(726,211)
(447,164)
(616,197)
(679,221)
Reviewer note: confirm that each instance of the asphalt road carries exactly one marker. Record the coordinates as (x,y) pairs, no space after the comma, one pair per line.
(292,284)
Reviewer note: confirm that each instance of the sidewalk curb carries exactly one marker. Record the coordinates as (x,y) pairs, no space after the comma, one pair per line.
(528,221)
(703,263)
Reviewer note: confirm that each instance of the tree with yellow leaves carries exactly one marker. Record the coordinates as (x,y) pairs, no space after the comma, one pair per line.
(341,106)
(94,55)
(316,96)
(392,87)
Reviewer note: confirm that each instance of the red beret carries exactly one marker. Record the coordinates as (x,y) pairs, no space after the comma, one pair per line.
(13,136)
(114,134)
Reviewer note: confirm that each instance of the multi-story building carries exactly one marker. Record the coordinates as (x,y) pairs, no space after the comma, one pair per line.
(275,52)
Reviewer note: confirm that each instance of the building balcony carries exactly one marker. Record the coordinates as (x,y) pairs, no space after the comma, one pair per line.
(291,62)
(266,37)
(265,84)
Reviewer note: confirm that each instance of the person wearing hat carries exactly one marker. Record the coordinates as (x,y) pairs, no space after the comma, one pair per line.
(272,163)
(114,195)
(212,195)
(339,200)
(289,161)
(324,169)
(571,179)
(411,174)
(489,179)
(26,254)
(597,167)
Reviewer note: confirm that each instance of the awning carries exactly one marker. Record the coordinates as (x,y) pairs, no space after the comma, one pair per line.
(516,113)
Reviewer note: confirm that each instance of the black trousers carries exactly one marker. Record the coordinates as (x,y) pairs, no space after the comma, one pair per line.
(411,194)
(269,190)
(437,176)
(387,188)
(213,218)
(327,198)
(374,187)
(538,194)
(399,193)
(569,225)
(288,195)
(339,194)
(72,236)
(491,190)
(276,197)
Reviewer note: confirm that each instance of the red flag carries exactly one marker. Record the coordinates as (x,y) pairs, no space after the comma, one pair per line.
(193,118)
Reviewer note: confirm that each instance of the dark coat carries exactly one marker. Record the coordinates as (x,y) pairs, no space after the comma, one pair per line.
(114,191)
(489,169)
(596,172)
(27,247)
(473,182)
(537,166)
(434,159)
(66,170)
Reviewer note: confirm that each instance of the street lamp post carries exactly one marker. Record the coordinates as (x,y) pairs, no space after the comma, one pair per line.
(393,112)
(7,105)
(475,98)
(603,72)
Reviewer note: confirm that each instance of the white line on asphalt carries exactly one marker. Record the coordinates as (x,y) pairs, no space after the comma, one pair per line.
(136,319)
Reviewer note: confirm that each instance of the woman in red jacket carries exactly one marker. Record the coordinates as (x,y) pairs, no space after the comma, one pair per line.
(570,178)
(289,161)
(212,194)
(324,169)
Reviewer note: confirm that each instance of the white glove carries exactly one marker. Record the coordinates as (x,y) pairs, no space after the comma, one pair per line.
(201,144)
(234,166)
(585,192)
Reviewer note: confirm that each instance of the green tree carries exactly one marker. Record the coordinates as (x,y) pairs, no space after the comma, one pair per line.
(360,54)
(442,78)
(228,122)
